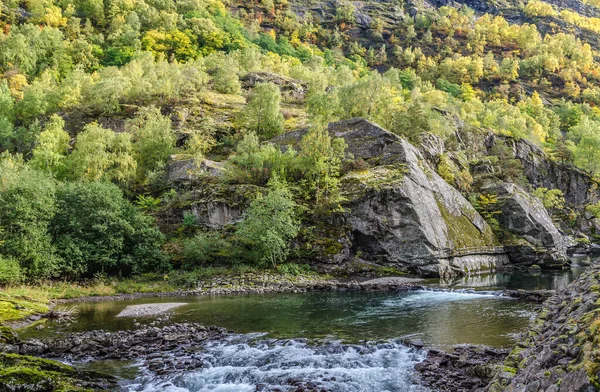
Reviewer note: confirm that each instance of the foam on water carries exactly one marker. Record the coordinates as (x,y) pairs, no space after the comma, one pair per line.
(241,365)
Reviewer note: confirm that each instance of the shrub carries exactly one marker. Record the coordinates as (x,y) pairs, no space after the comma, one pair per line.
(10,271)
(204,249)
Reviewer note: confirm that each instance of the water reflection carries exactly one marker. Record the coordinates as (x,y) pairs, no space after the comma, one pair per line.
(527,280)
(440,318)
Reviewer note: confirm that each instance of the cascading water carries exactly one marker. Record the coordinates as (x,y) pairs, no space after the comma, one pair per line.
(242,364)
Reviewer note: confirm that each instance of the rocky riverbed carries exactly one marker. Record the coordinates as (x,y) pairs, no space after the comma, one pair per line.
(161,350)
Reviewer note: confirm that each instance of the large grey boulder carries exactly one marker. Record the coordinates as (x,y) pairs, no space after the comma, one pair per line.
(400,212)
(191,169)
(531,236)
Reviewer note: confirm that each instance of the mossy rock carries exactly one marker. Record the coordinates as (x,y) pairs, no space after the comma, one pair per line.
(25,373)
(18,309)
(8,335)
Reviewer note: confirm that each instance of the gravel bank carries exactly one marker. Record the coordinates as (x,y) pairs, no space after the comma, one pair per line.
(148,309)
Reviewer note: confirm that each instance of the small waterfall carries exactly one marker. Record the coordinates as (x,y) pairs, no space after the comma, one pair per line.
(243,364)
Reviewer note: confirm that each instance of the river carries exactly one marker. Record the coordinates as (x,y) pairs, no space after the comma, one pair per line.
(338,341)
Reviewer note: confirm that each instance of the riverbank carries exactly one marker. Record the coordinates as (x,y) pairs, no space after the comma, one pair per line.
(561,350)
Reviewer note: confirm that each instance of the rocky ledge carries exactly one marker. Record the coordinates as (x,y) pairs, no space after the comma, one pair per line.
(466,369)
(162,350)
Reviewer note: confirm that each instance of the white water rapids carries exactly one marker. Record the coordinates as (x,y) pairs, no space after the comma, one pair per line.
(248,363)
(239,365)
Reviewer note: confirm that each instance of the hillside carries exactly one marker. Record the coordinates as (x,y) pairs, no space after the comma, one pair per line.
(149,136)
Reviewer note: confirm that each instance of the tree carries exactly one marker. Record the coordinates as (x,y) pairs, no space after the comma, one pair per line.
(153,139)
(225,78)
(270,224)
(262,114)
(97,230)
(101,154)
(320,161)
(52,148)
(551,198)
(586,147)
(27,206)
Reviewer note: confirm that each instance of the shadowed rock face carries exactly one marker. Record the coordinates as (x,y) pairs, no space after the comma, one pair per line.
(536,238)
(577,186)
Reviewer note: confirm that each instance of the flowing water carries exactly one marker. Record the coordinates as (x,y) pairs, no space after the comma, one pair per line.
(338,341)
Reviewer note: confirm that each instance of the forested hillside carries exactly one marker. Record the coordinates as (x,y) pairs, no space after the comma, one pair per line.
(118,118)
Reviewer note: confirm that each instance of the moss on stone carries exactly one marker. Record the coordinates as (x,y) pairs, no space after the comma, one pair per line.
(14,309)
(20,372)
(357,183)
(463,233)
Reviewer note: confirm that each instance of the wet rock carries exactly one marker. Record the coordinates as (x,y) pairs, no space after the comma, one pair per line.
(160,349)
(466,368)
(557,352)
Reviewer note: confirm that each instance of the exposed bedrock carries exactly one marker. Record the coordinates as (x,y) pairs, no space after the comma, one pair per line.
(401,212)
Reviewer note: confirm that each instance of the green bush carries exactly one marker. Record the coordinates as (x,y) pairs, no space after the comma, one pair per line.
(10,271)
(98,230)
(204,249)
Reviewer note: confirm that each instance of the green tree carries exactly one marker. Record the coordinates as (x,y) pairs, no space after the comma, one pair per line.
(27,206)
(320,160)
(551,198)
(154,140)
(53,145)
(225,78)
(270,224)
(97,230)
(262,114)
(101,154)
(586,148)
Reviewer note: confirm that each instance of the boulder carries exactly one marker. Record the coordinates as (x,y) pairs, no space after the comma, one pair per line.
(532,237)
(186,170)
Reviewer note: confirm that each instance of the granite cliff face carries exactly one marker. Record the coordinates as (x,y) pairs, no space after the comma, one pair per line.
(401,212)
(577,186)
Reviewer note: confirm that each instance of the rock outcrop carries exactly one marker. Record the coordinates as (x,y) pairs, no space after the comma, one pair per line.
(559,352)
(191,169)
(577,186)
(290,88)
(531,236)
(400,212)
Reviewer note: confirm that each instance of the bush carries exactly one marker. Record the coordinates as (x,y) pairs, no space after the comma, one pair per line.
(262,114)
(98,230)
(204,249)
(10,271)
(270,224)
(294,269)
